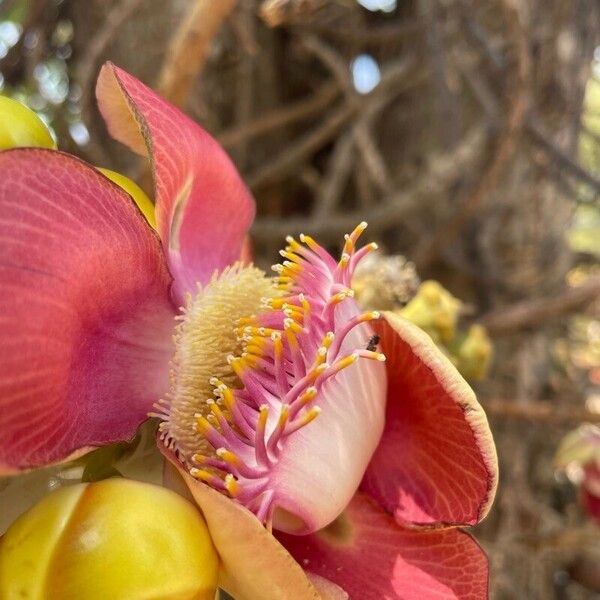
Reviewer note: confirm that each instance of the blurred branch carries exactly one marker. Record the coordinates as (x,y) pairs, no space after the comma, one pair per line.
(561,158)
(393,209)
(281,117)
(503,148)
(87,66)
(542,411)
(190,47)
(530,313)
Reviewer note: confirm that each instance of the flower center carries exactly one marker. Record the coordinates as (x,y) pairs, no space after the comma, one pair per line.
(253,358)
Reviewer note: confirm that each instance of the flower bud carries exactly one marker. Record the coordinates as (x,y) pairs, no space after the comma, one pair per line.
(116,538)
(475,354)
(435,310)
(20,127)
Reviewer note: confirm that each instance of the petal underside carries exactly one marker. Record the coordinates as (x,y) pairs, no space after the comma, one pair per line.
(203,208)
(436,463)
(371,557)
(85,310)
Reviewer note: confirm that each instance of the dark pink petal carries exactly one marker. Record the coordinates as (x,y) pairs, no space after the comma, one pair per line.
(372,558)
(436,462)
(590,490)
(203,209)
(85,315)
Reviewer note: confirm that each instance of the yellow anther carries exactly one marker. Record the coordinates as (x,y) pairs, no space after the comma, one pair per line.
(328,339)
(232,485)
(277,344)
(340,296)
(306,307)
(228,456)
(202,424)
(358,231)
(283,416)
(290,256)
(291,339)
(199,459)
(255,346)
(202,475)
(295,312)
(321,355)
(373,355)
(215,410)
(263,416)
(310,415)
(318,370)
(244,321)
(292,243)
(344,260)
(310,242)
(290,324)
(342,363)
(308,395)
(348,245)
(238,364)
(370,316)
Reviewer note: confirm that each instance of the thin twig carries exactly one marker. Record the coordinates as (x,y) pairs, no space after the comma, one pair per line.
(539,411)
(281,117)
(97,46)
(538,136)
(190,46)
(503,150)
(531,313)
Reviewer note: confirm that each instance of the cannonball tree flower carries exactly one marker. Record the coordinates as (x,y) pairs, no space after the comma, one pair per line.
(283,406)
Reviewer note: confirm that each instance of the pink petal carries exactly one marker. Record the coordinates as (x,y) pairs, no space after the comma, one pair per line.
(436,463)
(203,209)
(323,463)
(372,558)
(85,315)
(253,563)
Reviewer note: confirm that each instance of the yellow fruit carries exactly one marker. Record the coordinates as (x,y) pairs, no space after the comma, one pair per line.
(21,127)
(136,192)
(116,539)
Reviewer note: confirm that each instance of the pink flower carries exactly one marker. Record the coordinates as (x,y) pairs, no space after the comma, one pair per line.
(282,404)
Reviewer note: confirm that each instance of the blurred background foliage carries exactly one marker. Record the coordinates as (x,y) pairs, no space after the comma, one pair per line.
(467,132)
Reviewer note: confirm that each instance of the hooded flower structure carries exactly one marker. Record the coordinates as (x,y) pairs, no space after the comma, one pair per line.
(282,403)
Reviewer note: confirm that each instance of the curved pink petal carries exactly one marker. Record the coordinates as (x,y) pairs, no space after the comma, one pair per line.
(436,463)
(372,558)
(253,563)
(203,209)
(323,463)
(85,315)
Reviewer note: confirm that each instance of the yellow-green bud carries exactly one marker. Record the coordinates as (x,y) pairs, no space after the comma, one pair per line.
(435,310)
(116,539)
(475,354)
(144,203)
(21,127)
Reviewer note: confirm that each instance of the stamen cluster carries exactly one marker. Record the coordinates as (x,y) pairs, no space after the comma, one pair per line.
(289,351)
